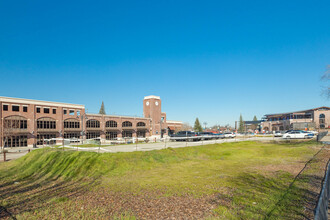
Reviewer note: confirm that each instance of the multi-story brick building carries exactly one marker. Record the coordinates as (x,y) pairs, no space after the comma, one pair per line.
(316,118)
(26,122)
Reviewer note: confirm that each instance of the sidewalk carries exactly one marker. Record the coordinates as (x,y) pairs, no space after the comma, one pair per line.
(15,153)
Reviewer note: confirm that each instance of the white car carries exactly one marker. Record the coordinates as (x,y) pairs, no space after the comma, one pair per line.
(229,134)
(297,134)
(313,132)
(278,134)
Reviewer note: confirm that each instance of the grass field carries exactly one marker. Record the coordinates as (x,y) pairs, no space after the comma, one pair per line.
(242,180)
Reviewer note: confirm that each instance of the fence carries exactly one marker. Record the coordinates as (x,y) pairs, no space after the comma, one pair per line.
(321,135)
(321,211)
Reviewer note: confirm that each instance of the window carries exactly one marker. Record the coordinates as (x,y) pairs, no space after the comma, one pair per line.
(322,120)
(127,134)
(38,109)
(5,107)
(72,135)
(78,113)
(54,111)
(16,141)
(46,110)
(93,123)
(46,123)
(111,124)
(15,122)
(64,111)
(25,108)
(141,124)
(46,138)
(141,134)
(23,124)
(71,123)
(15,108)
(71,112)
(127,124)
(90,135)
(111,135)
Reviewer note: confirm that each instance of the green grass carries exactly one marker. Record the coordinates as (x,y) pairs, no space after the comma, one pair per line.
(241,173)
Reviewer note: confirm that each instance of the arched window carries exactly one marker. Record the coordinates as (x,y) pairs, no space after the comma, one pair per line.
(71,123)
(46,123)
(15,122)
(127,124)
(322,120)
(111,124)
(140,124)
(92,123)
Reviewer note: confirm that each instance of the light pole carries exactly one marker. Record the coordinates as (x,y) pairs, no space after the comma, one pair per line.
(205,123)
(82,116)
(161,131)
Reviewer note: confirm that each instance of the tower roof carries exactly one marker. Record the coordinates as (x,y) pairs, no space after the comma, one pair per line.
(152,97)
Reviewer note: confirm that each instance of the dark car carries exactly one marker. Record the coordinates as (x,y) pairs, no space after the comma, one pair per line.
(185,136)
(206,135)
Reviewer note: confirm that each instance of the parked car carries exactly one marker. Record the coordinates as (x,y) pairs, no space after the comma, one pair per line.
(206,135)
(229,134)
(313,132)
(219,136)
(278,134)
(297,134)
(185,136)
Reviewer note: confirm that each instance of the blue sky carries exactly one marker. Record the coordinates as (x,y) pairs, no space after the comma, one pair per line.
(206,59)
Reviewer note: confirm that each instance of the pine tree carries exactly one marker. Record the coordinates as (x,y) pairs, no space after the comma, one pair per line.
(102,109)
(197,126)
(241,124)
(255,118)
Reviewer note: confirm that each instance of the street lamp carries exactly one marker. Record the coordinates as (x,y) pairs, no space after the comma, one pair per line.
(161,131)
(82,117)
(205,123)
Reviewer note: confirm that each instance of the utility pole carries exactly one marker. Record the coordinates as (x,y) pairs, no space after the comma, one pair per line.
(82,117)
(205,123)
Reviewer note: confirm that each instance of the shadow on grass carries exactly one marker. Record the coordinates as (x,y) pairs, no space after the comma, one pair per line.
(258,197)
(30,194)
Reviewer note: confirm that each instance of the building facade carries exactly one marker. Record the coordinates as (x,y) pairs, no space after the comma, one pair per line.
(27,122)
(311,119)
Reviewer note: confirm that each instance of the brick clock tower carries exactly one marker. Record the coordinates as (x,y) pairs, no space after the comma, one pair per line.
(152,108)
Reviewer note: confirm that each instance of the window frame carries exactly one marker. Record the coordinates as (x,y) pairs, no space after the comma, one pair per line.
(15,106)
(5,106)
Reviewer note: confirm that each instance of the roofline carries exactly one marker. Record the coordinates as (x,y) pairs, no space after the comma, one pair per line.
(175,122)
(313,109)
(39,102)
(115,116)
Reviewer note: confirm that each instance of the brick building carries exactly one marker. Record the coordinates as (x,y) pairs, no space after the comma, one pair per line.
(316,118)
(26,122)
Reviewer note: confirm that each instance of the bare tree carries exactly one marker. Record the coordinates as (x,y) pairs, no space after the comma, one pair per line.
(326,78)
(186,127)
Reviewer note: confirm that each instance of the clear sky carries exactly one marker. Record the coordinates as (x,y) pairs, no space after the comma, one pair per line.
(206,59)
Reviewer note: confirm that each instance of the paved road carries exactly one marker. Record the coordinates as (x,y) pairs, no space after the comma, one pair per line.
(162,145)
